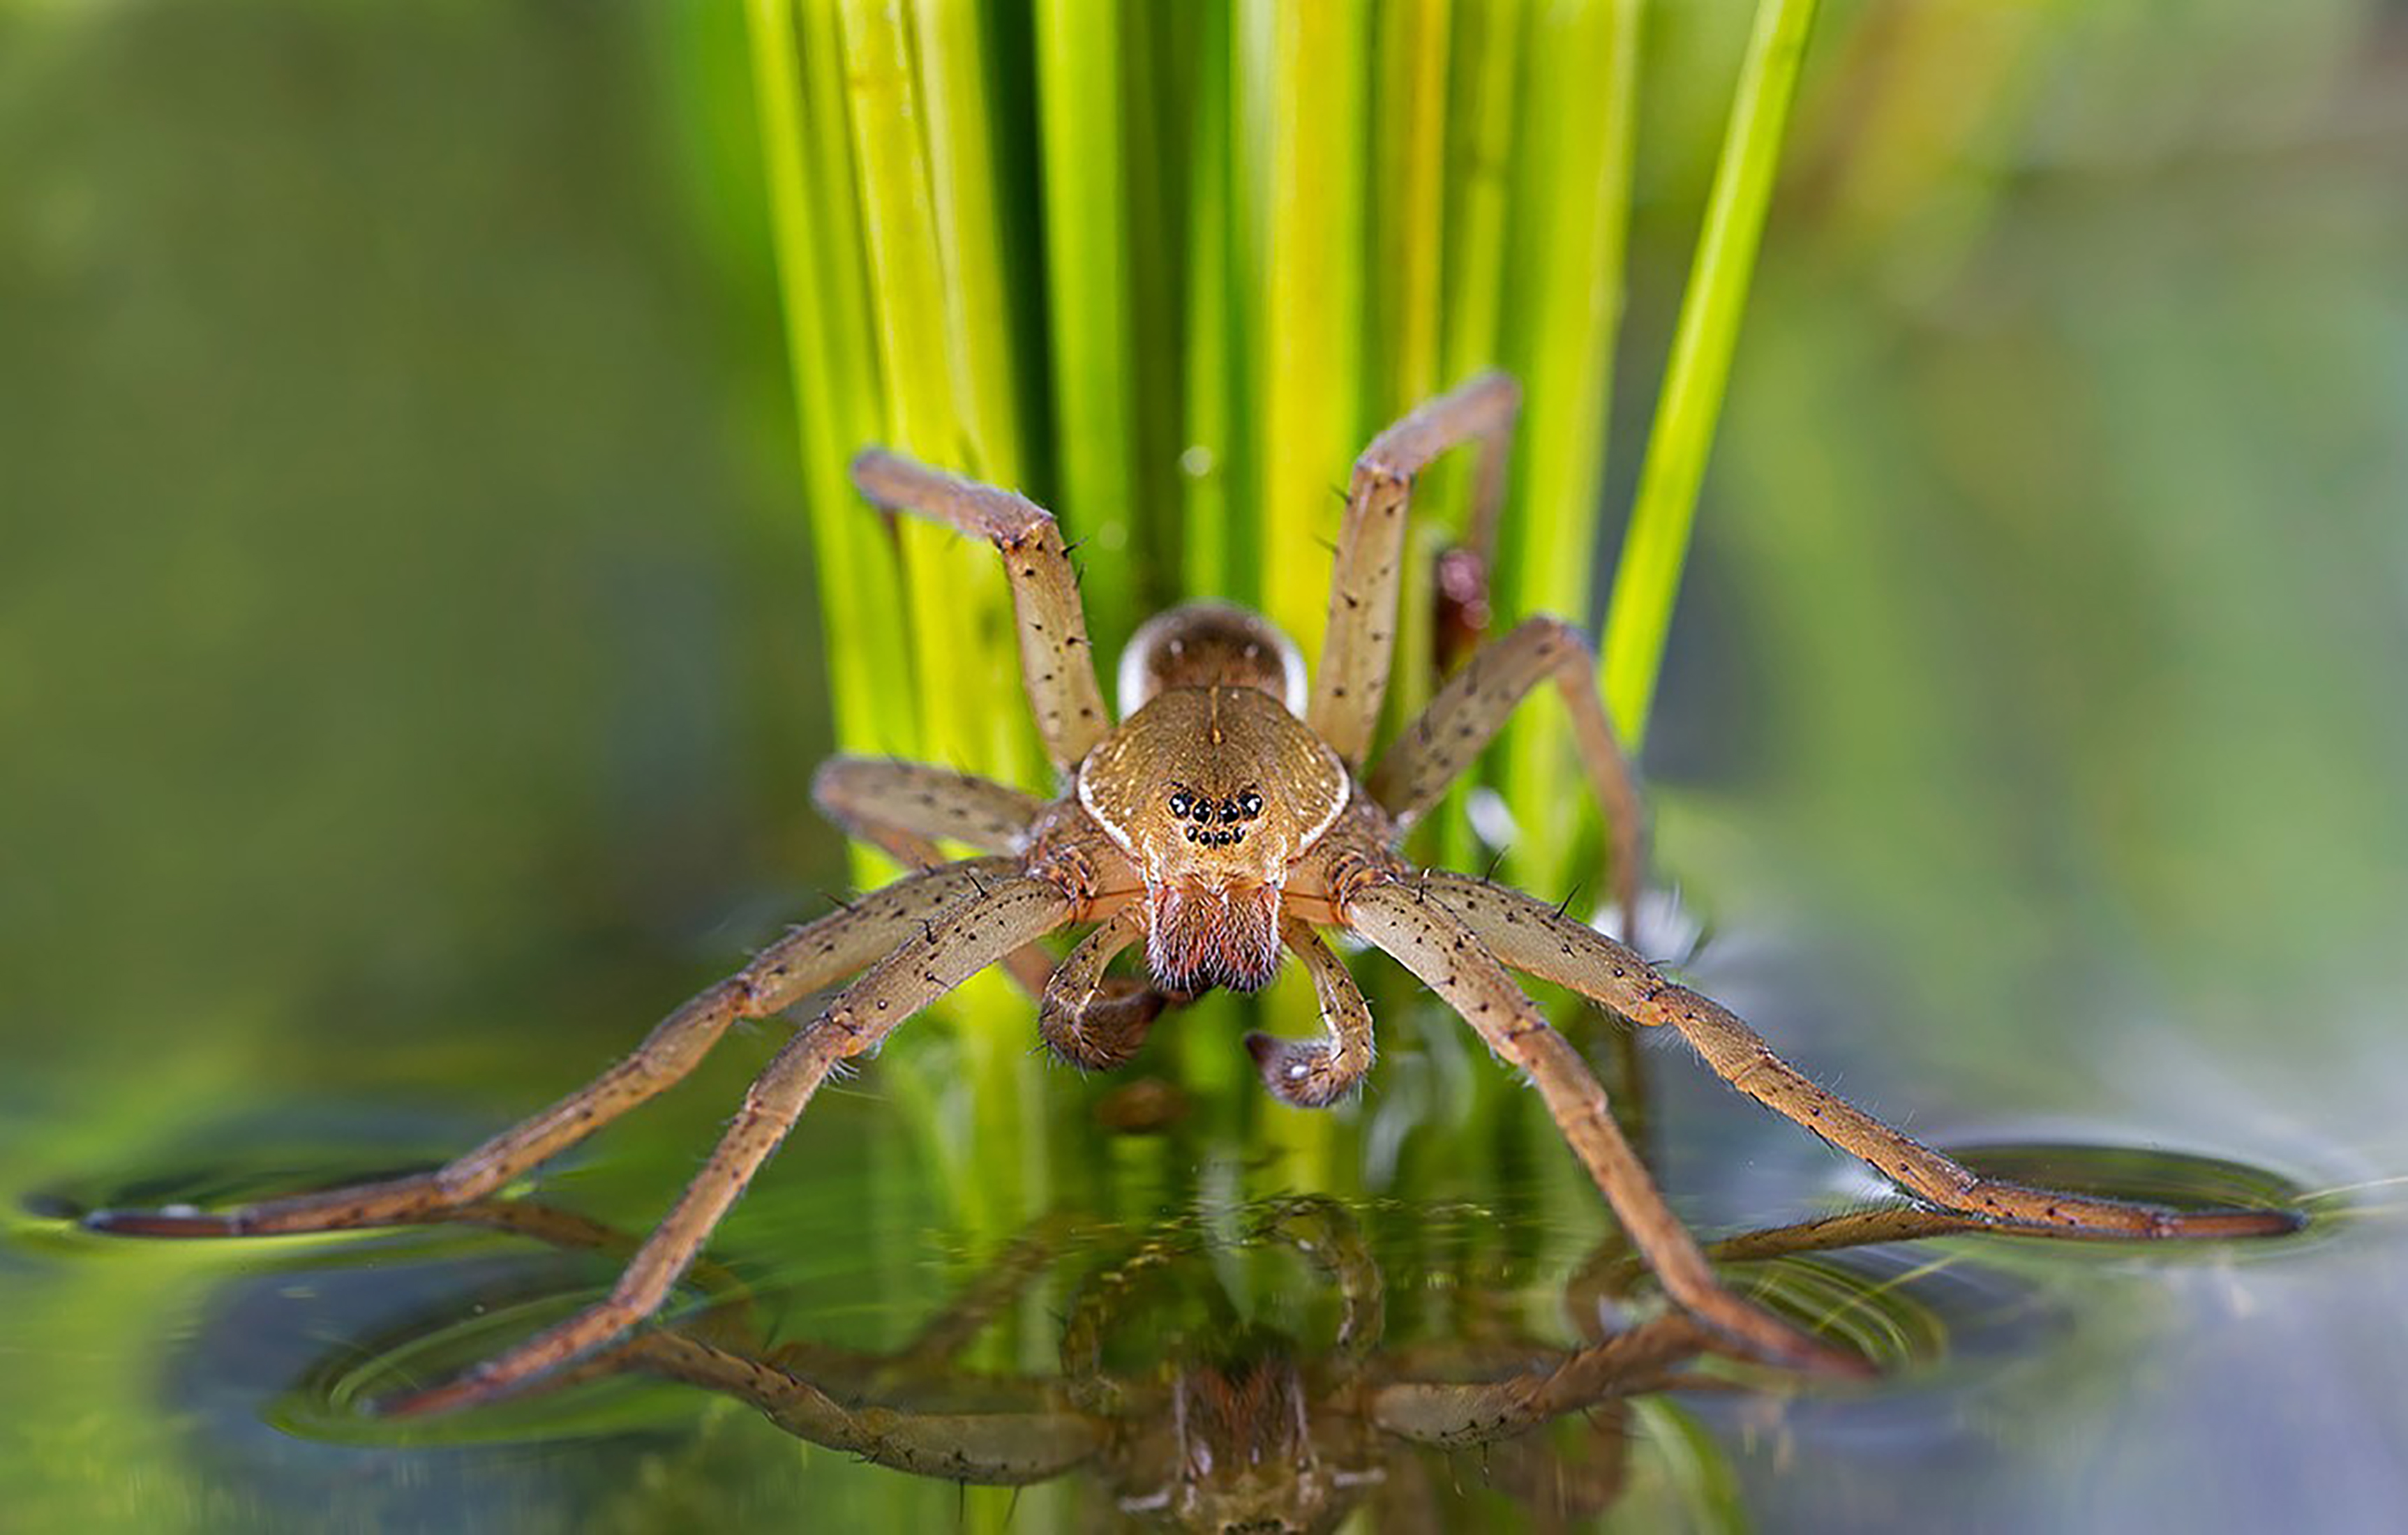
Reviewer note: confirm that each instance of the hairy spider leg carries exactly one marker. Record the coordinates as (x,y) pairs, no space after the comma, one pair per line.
(1056,663)
(1352,676)
(1316,1073)
(903,808)
(1431,940)
(1012,911)
(1534,937)
(1473,706)
(1093,1020)
(811,957)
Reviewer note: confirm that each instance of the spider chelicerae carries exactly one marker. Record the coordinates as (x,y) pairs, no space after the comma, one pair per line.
(1233,812)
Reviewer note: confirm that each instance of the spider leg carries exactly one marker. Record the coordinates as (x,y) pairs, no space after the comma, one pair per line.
(1008,1446)
(1316,1073)
(807,958)
(1011,911)
(1455,1415)
(1534,937)
(1352,676)
(1431,940)
(902,808)
(1475,703)
(1055,661)
(1091,1020)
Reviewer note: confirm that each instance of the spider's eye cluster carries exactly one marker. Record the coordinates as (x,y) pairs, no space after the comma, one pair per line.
(1215,824)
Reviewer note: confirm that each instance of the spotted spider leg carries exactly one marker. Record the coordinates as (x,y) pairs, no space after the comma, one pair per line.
(1458,1414)
(903,808)
(1353,677)
(1534,937)
(1429,939)
(1002,1445)
(1003,914)
(1474,704)
(1597,1289)
(1056,663)
(811,957)
(1316,1073)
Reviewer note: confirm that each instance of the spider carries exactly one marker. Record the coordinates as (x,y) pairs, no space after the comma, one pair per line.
(1232,813)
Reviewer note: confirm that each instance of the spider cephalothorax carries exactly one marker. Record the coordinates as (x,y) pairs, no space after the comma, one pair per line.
(1227,818)
(1215,792)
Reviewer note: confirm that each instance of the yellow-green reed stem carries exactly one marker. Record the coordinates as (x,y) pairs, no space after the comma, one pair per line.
(1649,577)
(1581,87)
(827,347)
(1313,83)
(1408,174)
(1402,344)
(1214,548)
(957,593)
(1079,82)
(1483,69)
(963,170)
(981,345)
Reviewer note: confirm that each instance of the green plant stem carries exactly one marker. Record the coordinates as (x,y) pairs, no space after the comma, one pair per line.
(1649,576)
(1080,128)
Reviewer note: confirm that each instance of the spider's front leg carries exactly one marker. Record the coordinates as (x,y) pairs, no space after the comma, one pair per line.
(1534,937)
(904,808)
(809,957)
(1316,1073)
(1465,716)
(1352,676)
(1056,663)
(1431,940)
(1093,1020)
(1011,911)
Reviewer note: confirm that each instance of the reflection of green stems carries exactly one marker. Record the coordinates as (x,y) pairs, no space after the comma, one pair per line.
(1230,242)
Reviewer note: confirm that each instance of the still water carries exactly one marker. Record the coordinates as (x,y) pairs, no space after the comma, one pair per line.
(408,697)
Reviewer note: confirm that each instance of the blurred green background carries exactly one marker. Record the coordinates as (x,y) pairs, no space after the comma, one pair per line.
(409,686)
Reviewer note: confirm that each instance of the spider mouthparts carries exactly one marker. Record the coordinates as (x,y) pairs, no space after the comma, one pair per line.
(1228,935)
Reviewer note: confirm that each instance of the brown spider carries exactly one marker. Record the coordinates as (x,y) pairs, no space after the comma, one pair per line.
(1225,819)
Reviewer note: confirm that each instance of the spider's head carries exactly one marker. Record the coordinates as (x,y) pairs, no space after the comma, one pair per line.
(1213,791)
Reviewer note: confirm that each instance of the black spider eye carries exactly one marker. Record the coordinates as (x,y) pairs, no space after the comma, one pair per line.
(1181,803)
(1249,804)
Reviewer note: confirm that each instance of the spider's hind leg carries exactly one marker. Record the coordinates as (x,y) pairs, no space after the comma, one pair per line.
(1431,940)
(1536,939)
(1006,912)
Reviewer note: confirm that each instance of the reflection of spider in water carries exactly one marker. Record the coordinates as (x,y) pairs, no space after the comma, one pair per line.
(1186,1416)
(1230,813)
